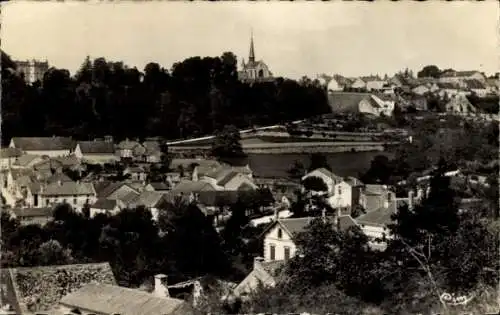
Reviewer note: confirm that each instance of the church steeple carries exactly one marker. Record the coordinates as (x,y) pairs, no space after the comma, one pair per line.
(251,56)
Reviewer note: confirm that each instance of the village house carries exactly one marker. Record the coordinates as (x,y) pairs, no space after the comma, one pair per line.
(49,146)
(96,152)
(374,224)
(358,85)
(457,76)
(38,290)
(338,83)
(279,236)
(374,196)
(8,156)
(76,194)
(152,152)
(157,186)
(421,89)
(128,149)
(231,178)
(26,161)
(104,206)
(151,200)
(200,167)
(375,85)
(450,89)
(136,173)
(477,87)
(460,104)
(27,216)
(366,103)
(346,193)
(31,188)
(106,299)
(264,273)
(329,178)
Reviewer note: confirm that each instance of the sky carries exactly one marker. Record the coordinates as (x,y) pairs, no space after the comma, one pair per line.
(292,38)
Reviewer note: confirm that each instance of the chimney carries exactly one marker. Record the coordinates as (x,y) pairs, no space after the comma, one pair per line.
(410,199)
(161,286)
(257,261)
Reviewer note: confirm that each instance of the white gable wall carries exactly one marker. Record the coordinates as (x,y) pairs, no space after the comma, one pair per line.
(272,239)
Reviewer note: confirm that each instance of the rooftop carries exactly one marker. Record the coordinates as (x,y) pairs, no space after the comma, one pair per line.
(68,189)
(112,299)
(43,143)
(39,289)
(96,147)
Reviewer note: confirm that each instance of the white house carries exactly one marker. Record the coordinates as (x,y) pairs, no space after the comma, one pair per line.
(49,146)
(131,149)
(359,84)
(421,89)
(230,178)
(104,206)
(96,152)
(77,194)
(457,76)
(279,236)
(374,224)
(346,193)
(375,85)
(329,178)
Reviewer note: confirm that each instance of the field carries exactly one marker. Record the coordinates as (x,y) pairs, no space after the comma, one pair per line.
(342,164)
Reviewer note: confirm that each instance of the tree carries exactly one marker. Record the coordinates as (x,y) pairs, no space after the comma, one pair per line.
(313,183)
(227,144)
(52,253)
(429,71)
(318,160)
(297,170)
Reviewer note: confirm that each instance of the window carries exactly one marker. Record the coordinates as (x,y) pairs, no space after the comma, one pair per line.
(272,252)
(340,190)
(287,253)
(75,200)
(47,202)
(280,233)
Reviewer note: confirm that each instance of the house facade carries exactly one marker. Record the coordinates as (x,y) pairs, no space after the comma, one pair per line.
(346,193)
(278,240)
(96,152)
(457,76)
(8,156)
(76,194)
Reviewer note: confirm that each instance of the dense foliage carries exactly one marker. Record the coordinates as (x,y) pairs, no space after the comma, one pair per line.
(196,97)
(434,249)
(183,243)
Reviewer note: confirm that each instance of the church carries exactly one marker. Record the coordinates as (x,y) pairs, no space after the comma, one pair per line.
(254,70)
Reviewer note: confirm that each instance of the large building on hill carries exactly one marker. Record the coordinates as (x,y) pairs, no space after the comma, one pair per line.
(254,70)
(33,70)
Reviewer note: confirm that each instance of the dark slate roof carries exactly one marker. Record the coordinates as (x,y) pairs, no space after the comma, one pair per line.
(112,299)
(48,284)
(227,178)
(474,84)
(32,212)
(68,189)
(104,204)
(159,186)
(149,199)
(346,101)
(447,85)
(25,159)
(96,147)
(43,143)
(380,217)
(188,186)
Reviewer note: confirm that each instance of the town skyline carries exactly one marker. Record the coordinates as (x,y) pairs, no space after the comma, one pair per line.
(290,49)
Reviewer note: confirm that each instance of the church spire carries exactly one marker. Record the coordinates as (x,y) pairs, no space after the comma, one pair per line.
(251,57)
